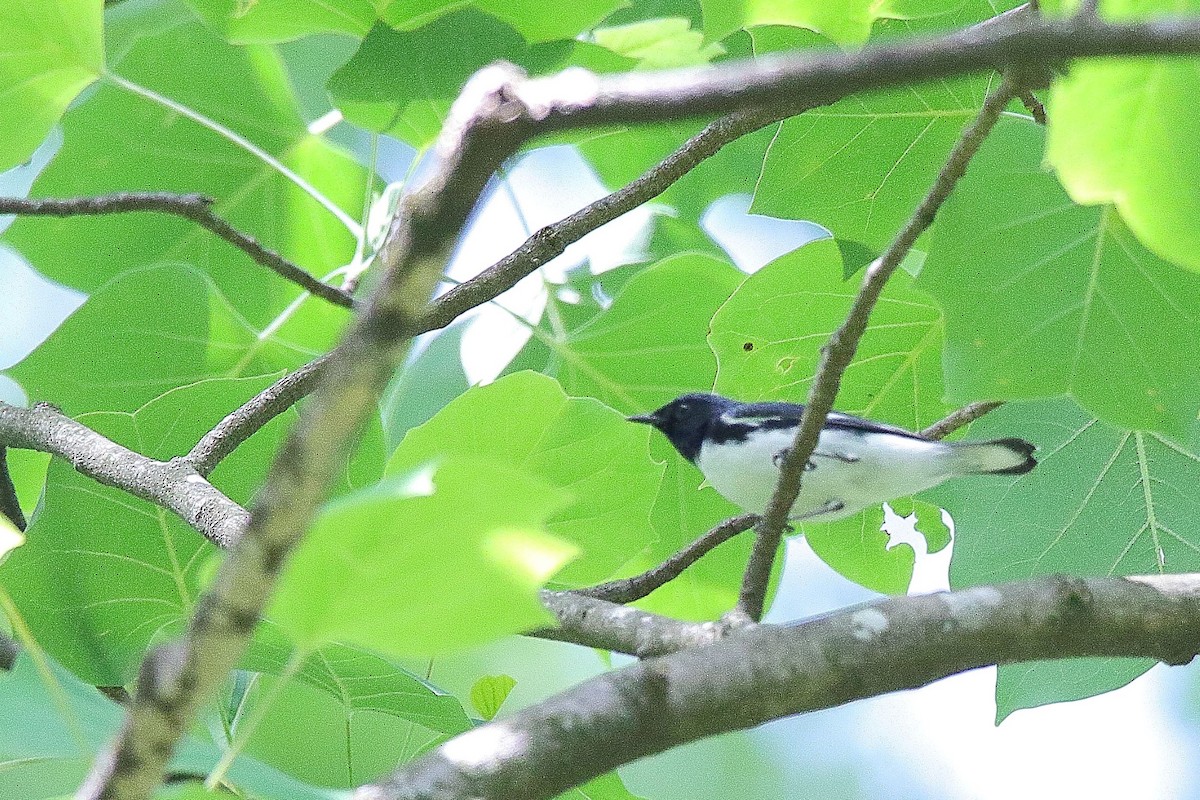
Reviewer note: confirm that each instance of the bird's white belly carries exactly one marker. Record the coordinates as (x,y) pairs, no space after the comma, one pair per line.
(855,469)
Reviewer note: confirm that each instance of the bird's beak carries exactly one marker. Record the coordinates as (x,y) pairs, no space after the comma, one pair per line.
(645,419)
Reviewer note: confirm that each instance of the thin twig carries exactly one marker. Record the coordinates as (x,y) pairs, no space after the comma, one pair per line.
(9,650)
(960,419)
(247,420)
(194,207)
(10,504)
(839,351)
(1033,106)
(626,590)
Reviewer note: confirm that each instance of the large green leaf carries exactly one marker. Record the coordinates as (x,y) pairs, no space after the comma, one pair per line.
(526,421)
(659,43)
(74,722)
(1102,501)
(1116,126)
(768,339)
(51,50)
(386,567)
(119,141)
(860,166)
(144,333)
(359,680)
(119,569)
(279,20)
(1042,296)
(644,351)
(843,21)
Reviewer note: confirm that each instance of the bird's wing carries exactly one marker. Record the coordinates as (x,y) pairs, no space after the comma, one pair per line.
(789,414)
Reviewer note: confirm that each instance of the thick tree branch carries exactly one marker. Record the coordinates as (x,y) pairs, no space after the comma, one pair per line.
(598,623)
(173,484)
(837,354)
(10,504)
(194,207)
(626,590)
(768,672)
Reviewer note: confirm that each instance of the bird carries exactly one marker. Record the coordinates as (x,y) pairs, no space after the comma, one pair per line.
(857,463)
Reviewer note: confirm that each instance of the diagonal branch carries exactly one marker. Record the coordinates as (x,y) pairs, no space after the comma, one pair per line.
(173,485)
(768,672)
(626,590)
(194,207)
(839,351)
(960,419)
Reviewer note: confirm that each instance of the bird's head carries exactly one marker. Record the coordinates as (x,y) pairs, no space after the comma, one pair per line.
(685,420)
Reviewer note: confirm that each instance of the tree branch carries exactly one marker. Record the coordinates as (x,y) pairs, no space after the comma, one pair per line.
(194,207)
(10,504)
(598,623)
(173,484)
(839,351)
(768,672)
(250,418)
(960,419)
(626,590)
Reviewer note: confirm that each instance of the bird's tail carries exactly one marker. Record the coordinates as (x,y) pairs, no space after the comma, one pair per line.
(997,457)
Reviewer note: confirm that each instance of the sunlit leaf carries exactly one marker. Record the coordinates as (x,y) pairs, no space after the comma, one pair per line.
(51,50)
(385,567)
(526,421)
(1115,127)
(1042,297)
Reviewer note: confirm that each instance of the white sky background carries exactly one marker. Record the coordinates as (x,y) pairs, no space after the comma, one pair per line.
(931,743)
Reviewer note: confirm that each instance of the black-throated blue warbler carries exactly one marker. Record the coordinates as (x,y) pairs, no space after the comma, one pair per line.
(857,463)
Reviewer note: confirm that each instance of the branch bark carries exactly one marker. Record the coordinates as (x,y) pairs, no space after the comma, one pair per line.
(768,672)
(194,207)
(10,504)
(175,485)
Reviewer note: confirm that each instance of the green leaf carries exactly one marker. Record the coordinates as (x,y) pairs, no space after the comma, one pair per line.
(242,22)
(1102,501)
(605,787)
(359,680)
(529,17)
(1043,682)
(385,567)
(1115,128)
(525,421)
(643,351)
(768,338)
(843,21)
(74,721)
(145,333)
(858,549)
(107,140)
(120,569)
(1043,297)
(423,386)
(402,84)
(51,51)
(27,468)
(659,43)
(310,735)
(489,693)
